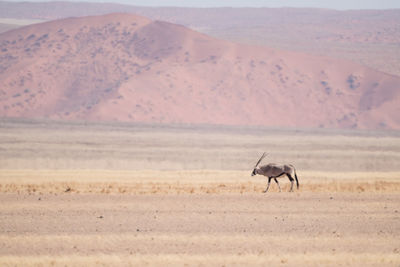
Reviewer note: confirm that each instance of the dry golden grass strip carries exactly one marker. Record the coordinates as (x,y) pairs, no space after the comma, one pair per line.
(186,182)
(148,188)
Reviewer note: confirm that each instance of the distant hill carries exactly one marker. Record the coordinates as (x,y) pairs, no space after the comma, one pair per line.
(123,67)
(368,37)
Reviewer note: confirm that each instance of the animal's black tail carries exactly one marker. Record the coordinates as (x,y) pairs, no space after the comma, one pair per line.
(297,181)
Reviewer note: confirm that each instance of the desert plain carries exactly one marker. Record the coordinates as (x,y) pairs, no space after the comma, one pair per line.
(118,194)
(110,154)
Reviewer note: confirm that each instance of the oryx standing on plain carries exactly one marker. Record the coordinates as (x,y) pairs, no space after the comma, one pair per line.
(273,171)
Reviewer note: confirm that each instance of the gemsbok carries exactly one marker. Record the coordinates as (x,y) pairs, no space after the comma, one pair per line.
(273,171)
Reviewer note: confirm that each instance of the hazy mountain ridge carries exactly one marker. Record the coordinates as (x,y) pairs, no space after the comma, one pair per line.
(356,25)
(368,37)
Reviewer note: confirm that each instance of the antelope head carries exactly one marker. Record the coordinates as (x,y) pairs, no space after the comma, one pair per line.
(258,162)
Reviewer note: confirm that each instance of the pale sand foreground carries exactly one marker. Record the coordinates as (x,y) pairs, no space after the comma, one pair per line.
(211,230)
(86,218)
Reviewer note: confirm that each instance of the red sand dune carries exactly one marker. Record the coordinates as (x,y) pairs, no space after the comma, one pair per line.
(129,68)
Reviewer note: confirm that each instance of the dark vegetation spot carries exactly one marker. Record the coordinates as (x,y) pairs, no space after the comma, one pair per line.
(26,91)
(30,37)
(328,89)
(16,95)
(353,82)
(43,37)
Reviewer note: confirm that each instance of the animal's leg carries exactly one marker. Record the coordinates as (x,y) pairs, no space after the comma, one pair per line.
(269,182)
(291,182)
(278,184)
(297,181)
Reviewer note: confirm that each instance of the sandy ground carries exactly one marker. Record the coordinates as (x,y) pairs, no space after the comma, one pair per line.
(128,195)
(301,228)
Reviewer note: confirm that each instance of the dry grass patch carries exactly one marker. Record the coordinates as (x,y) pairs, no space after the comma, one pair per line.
(186,182)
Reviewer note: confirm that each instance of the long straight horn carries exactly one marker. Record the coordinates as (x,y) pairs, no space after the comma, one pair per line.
(258,162)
